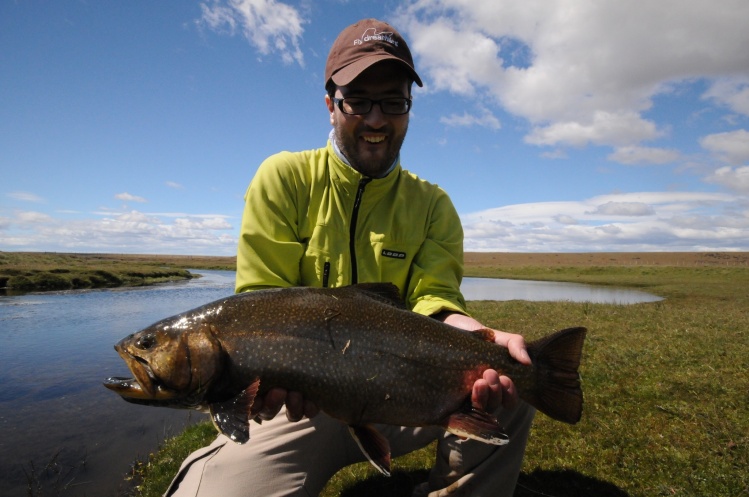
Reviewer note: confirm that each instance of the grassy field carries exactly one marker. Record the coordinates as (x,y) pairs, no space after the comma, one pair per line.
(48,271)
(666,384)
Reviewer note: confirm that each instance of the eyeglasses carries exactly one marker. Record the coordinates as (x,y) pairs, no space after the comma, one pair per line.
(358,105)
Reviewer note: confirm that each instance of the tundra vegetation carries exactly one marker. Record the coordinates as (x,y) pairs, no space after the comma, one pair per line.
(22,272)
(666,384)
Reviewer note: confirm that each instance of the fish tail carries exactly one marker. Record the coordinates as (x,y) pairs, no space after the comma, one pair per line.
(556,359)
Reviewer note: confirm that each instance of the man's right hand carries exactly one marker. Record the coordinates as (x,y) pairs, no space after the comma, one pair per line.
(296,406)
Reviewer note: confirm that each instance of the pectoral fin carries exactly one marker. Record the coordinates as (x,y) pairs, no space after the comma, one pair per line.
(373,445)
(470,422)
(232,417)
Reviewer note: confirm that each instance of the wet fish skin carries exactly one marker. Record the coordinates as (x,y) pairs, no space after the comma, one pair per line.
(355,351)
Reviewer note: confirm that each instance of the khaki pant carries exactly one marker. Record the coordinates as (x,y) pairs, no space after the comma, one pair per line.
(297,459)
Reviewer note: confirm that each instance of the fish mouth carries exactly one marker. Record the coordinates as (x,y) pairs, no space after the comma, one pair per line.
(130,388)
(145,386)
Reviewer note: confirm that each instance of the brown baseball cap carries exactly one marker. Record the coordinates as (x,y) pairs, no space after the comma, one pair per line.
(365,43)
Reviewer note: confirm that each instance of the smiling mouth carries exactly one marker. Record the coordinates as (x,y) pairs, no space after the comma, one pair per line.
(374,139)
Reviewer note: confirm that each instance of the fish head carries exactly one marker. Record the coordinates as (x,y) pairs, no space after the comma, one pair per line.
(173,366)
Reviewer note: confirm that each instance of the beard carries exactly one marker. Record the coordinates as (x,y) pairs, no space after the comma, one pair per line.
(372,160)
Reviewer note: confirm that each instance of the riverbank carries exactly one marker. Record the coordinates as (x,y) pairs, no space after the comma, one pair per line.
(50,271)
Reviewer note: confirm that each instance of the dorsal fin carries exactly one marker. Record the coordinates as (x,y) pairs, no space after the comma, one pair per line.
(386,293)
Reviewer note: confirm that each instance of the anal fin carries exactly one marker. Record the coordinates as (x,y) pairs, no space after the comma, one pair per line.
(373,445)
(473,423)
(232,417)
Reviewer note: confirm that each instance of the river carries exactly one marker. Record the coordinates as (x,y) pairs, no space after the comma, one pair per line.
(64,434)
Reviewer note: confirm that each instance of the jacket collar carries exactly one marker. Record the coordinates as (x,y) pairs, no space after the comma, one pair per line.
(341,171)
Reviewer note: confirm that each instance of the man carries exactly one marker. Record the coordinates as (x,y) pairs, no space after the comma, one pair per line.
(340,215)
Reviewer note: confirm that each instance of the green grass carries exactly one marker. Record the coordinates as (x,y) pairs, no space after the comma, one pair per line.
(44,271)
(666,393)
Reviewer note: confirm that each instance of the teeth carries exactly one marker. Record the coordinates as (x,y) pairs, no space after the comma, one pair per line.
(374,139)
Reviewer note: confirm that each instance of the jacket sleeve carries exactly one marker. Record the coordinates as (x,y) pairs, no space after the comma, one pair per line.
(269,248)
(437,269)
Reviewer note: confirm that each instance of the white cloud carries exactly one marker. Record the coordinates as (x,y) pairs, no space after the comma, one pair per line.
(581,72)
(643,155)
(270,26)
(26,197)
(485,119)
(623,209)
(130,198)
(605,128)
(128,231)
(31,217)
(732,146)
(731,92)
(736,179)
(175,185)
(645,221)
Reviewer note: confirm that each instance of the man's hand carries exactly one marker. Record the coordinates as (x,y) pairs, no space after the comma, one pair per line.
(493,390)
(267,407)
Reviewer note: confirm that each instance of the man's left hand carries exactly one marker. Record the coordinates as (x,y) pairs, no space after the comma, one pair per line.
(493,390)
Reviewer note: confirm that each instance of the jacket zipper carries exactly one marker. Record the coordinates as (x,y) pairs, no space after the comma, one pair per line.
(325,274)
(352,233)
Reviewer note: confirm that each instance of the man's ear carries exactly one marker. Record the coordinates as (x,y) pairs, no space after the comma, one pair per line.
(331,107)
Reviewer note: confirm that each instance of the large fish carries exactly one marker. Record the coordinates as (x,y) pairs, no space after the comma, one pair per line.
(355,351)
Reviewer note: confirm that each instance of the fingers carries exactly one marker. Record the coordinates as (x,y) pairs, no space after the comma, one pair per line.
(509,392)
(515,345)
(492,391)
(487,394)
(272,403)
(296,407)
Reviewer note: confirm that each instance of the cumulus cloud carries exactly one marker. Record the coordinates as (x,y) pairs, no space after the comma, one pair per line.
(581,73)
(634,155)
(270,26)
(645,221)
(732,93)
(485,119)
(126,231)
(733,178)
(130,198)
(732,146)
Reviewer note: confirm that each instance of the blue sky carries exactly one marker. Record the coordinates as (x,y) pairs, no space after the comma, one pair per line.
(554,126)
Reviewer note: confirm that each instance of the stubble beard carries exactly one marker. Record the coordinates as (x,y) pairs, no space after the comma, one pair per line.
(370,166)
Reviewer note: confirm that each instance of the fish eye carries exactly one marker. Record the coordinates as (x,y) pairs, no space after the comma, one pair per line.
(146,341)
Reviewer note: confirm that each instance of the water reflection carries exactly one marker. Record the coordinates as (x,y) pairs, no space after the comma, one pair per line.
(550,291)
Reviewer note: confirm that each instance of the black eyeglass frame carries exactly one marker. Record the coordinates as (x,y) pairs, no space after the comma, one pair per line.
(339,103)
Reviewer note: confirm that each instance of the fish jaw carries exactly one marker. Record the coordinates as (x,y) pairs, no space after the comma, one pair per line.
(173,367)
(130,388)
(145,381)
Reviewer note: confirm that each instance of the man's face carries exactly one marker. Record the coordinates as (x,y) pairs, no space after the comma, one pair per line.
(371,141)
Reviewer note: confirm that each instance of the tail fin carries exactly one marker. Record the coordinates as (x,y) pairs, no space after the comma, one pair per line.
(556,359)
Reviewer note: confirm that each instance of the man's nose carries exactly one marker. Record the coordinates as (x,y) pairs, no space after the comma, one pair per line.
(375,118)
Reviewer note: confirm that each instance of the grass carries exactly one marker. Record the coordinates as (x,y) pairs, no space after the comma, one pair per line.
(46,271)
(666,391)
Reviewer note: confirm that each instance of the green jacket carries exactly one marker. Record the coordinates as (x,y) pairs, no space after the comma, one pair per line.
(302,208)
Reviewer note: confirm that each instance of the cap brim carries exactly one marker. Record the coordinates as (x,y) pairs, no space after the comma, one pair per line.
(347,74)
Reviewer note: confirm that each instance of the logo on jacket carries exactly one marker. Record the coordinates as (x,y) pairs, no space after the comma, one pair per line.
(393,254)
